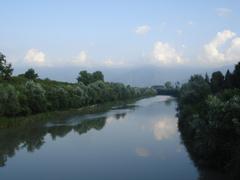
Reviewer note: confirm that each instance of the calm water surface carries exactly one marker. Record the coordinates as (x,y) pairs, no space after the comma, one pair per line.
(137,141)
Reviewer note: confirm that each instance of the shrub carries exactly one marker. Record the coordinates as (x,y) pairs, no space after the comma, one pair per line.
(9,104)
(35,97)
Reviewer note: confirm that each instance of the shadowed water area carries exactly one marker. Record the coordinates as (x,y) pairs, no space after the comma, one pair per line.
(132,141)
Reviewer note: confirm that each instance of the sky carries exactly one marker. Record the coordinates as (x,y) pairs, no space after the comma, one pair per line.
(124,34)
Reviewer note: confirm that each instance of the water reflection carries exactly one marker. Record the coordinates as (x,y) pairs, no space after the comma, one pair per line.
(169,101)
(33,138)
(142,152)
(203,164)
(205,172)
(137,141)
(164,128)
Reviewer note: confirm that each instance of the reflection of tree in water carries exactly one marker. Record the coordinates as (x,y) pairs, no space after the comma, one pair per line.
(120,115)
(85,126)
(32,138)
(59,131)
(205,147)
(16,138)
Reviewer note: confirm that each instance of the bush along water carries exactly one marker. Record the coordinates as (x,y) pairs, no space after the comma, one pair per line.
(209,121)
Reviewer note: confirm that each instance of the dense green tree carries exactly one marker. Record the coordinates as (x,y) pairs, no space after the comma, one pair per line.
(63,99)
(9,104)
(236,76)
(168,85)
(217,81)
(228,80)
(6,69)
(210,125)
(98,76)
(30,74)
(23,100)
(36,97)
(77,96)
(87,78)
(195,91)
(56,98)
(84,77)
(207,78)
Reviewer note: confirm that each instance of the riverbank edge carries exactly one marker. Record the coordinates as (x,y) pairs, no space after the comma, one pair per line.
(11,122)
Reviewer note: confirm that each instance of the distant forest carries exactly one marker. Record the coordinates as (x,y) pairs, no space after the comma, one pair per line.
(27,94)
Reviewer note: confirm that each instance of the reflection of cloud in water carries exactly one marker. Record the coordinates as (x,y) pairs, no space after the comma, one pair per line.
(110,119)
(164,128)
(142,152)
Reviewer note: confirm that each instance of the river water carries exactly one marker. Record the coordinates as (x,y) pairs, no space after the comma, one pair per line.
(135,141)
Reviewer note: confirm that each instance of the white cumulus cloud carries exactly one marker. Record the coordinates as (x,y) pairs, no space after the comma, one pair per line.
(34,56)
(165,54)
(141,30)
(233,52)
(223,49)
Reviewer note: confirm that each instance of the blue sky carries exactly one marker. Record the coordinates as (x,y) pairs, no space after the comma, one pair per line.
(120,33)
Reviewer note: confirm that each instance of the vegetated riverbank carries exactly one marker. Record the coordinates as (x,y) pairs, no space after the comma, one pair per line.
(40,118)
(26,94)
(209,121)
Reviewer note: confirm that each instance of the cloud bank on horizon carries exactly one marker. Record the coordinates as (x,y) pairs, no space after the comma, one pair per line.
(149,33)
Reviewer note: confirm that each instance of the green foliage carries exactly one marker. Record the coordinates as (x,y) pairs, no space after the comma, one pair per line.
(87,78)
(9,104)
(236,76)
(6,69)
(207,78)
(26,94)
(168,85)
(84,77)
(36,98)
(209,122)
(31,97)
(195,91)
(57,98)
(228,80)
(97,76)
(30,74)
(217,82)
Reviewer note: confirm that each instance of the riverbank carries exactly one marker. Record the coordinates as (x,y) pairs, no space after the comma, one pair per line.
(209,121)
(11,122)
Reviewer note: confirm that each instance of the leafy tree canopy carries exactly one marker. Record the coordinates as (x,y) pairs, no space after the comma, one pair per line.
(6,69)
(88,78)
(30,74)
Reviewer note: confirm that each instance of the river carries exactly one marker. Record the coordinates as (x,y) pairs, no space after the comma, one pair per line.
(136,141)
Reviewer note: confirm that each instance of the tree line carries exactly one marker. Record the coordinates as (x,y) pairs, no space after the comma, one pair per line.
(209,120)
(28,94)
